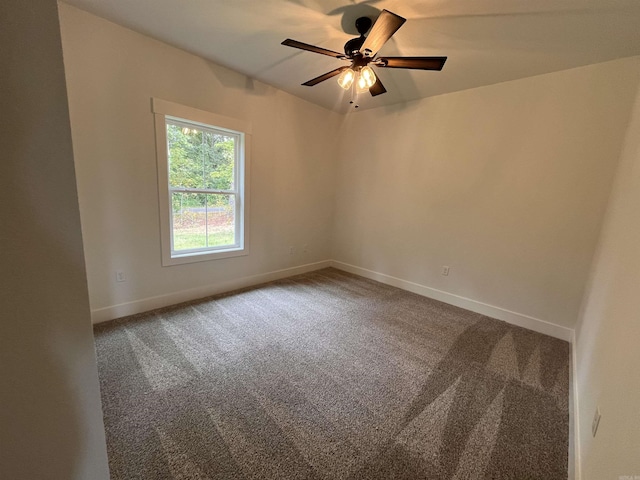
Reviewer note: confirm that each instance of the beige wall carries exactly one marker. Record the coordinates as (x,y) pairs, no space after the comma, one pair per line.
(608,333)
(50,414)
(506,184)
(112,74)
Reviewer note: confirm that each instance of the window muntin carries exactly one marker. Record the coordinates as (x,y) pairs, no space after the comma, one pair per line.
(204,163)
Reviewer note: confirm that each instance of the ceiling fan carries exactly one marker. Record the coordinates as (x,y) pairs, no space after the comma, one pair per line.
(361,52)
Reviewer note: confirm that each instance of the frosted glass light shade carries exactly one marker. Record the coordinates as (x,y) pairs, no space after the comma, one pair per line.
(345,80)
(361,85)
(366,79)
(368,76)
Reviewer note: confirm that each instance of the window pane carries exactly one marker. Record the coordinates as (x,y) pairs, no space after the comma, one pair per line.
(186,151)
(203,220)
(220,155)
(189,220)
(200,158)
(221,222)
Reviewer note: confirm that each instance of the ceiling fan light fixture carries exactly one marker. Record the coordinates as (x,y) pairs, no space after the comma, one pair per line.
(346,78)
(368,76)
(365,79)
(361,85)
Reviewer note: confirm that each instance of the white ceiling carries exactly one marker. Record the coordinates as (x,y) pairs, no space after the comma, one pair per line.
(486,41)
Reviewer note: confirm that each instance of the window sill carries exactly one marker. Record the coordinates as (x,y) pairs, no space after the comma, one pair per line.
(192,257)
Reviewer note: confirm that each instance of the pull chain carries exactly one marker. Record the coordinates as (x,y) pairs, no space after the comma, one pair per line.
(354,94)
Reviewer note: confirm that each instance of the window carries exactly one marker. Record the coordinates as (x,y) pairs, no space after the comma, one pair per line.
(202,166)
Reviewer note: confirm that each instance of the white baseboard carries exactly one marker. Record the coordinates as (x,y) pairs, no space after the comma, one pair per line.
(514,318)
(150,303)
(574,415)
(145,304)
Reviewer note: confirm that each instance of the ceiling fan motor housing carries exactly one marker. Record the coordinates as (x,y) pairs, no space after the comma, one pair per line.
(363,24)
(352,47)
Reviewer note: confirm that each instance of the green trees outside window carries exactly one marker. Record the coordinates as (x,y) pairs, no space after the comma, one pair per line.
(202,185)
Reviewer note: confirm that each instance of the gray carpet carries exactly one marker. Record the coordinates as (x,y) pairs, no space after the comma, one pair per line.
(329,375)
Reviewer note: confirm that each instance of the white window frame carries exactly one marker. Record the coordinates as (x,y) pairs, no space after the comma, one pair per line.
(165,111)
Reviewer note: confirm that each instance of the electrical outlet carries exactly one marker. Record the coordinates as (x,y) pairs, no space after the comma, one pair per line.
(305,248)
(596,422)
(445,271)
(292,250)
(120,276)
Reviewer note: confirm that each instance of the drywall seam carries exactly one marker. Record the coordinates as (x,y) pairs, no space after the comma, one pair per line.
(514,318)
(150,303)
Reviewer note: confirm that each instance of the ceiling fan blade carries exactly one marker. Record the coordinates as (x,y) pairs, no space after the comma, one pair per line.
(386,25)
(322,78)
(419,63)
(377,88)
(311,48)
